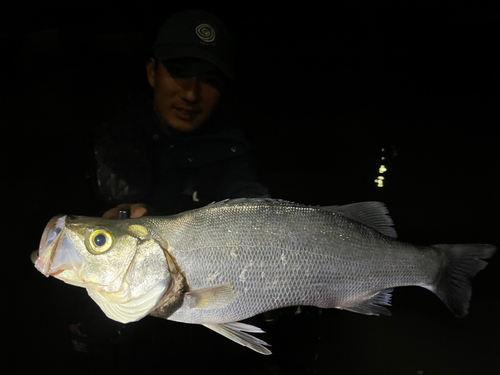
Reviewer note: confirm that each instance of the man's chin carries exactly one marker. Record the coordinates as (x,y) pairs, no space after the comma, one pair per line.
(180,127)
(183,126)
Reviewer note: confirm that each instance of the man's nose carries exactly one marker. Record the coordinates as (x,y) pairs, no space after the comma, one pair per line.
(190,89)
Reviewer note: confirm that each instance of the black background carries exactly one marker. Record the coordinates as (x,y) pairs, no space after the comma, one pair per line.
(324,92)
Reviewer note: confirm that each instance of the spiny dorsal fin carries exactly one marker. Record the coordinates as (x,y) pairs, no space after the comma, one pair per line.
(372,214)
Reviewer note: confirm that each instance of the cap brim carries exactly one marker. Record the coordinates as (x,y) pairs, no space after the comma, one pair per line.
(170,51)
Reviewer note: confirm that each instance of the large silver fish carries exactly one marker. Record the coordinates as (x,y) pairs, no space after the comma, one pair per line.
(235,259)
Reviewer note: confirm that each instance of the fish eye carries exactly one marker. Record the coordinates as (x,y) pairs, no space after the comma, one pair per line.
(100,241)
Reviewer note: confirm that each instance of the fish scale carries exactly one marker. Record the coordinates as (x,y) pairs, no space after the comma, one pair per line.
(328,264)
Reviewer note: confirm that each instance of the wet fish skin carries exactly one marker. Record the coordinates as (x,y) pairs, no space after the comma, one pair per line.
(278,254)
(235,259)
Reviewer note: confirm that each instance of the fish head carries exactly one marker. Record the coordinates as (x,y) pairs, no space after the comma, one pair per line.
(123,268)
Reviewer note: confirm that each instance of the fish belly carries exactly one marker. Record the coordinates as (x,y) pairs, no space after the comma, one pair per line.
(285,255)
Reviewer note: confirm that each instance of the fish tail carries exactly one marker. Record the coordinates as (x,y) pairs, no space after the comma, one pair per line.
(453,285)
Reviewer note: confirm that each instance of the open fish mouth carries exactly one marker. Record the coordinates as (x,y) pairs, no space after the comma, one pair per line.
(56,255)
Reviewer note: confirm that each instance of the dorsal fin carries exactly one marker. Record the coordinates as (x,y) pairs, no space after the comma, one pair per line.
(372,214)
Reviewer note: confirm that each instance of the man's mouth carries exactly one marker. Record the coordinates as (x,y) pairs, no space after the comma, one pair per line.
(186,114)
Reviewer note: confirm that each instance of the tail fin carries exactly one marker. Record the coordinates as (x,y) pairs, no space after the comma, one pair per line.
(453,285)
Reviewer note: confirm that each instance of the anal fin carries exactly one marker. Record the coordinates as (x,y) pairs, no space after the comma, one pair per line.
(373,305)
(237,332)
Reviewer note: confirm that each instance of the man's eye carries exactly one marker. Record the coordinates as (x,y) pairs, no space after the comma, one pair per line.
(214,81)
(176,71)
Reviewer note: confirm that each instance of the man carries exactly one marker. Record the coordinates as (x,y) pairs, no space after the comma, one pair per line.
(178,150)
(175,150)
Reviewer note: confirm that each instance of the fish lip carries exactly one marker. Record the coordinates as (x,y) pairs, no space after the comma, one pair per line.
(34,256)
(46,251)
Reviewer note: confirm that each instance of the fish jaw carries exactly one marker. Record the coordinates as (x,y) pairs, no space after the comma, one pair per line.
(57,256)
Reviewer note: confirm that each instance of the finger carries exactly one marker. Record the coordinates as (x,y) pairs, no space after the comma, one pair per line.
(138,210)
(113,213)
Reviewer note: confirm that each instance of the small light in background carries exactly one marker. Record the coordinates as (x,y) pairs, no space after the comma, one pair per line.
(381,170)
(380,181)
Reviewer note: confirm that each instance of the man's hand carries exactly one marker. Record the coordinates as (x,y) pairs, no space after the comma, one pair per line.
(136,210)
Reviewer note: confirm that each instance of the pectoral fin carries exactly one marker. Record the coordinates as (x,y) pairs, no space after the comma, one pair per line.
(210,298)
(237,332)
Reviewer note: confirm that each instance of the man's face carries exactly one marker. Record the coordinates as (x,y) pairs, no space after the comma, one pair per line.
(186,91)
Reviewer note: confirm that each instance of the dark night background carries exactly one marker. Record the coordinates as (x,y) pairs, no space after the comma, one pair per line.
(324,93)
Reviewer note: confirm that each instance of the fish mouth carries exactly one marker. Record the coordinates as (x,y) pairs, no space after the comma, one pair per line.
(56,255)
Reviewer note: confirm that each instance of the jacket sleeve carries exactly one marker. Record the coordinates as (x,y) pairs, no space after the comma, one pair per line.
(242,179)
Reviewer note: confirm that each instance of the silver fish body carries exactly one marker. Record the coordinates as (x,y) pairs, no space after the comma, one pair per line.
(235,259)
(276,254)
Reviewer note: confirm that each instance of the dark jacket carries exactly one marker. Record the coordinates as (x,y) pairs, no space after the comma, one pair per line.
(135,161)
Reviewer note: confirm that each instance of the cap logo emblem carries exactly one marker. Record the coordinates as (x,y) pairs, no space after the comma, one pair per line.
(205,32)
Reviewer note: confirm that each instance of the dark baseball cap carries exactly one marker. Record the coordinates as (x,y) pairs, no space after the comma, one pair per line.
(196,33)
